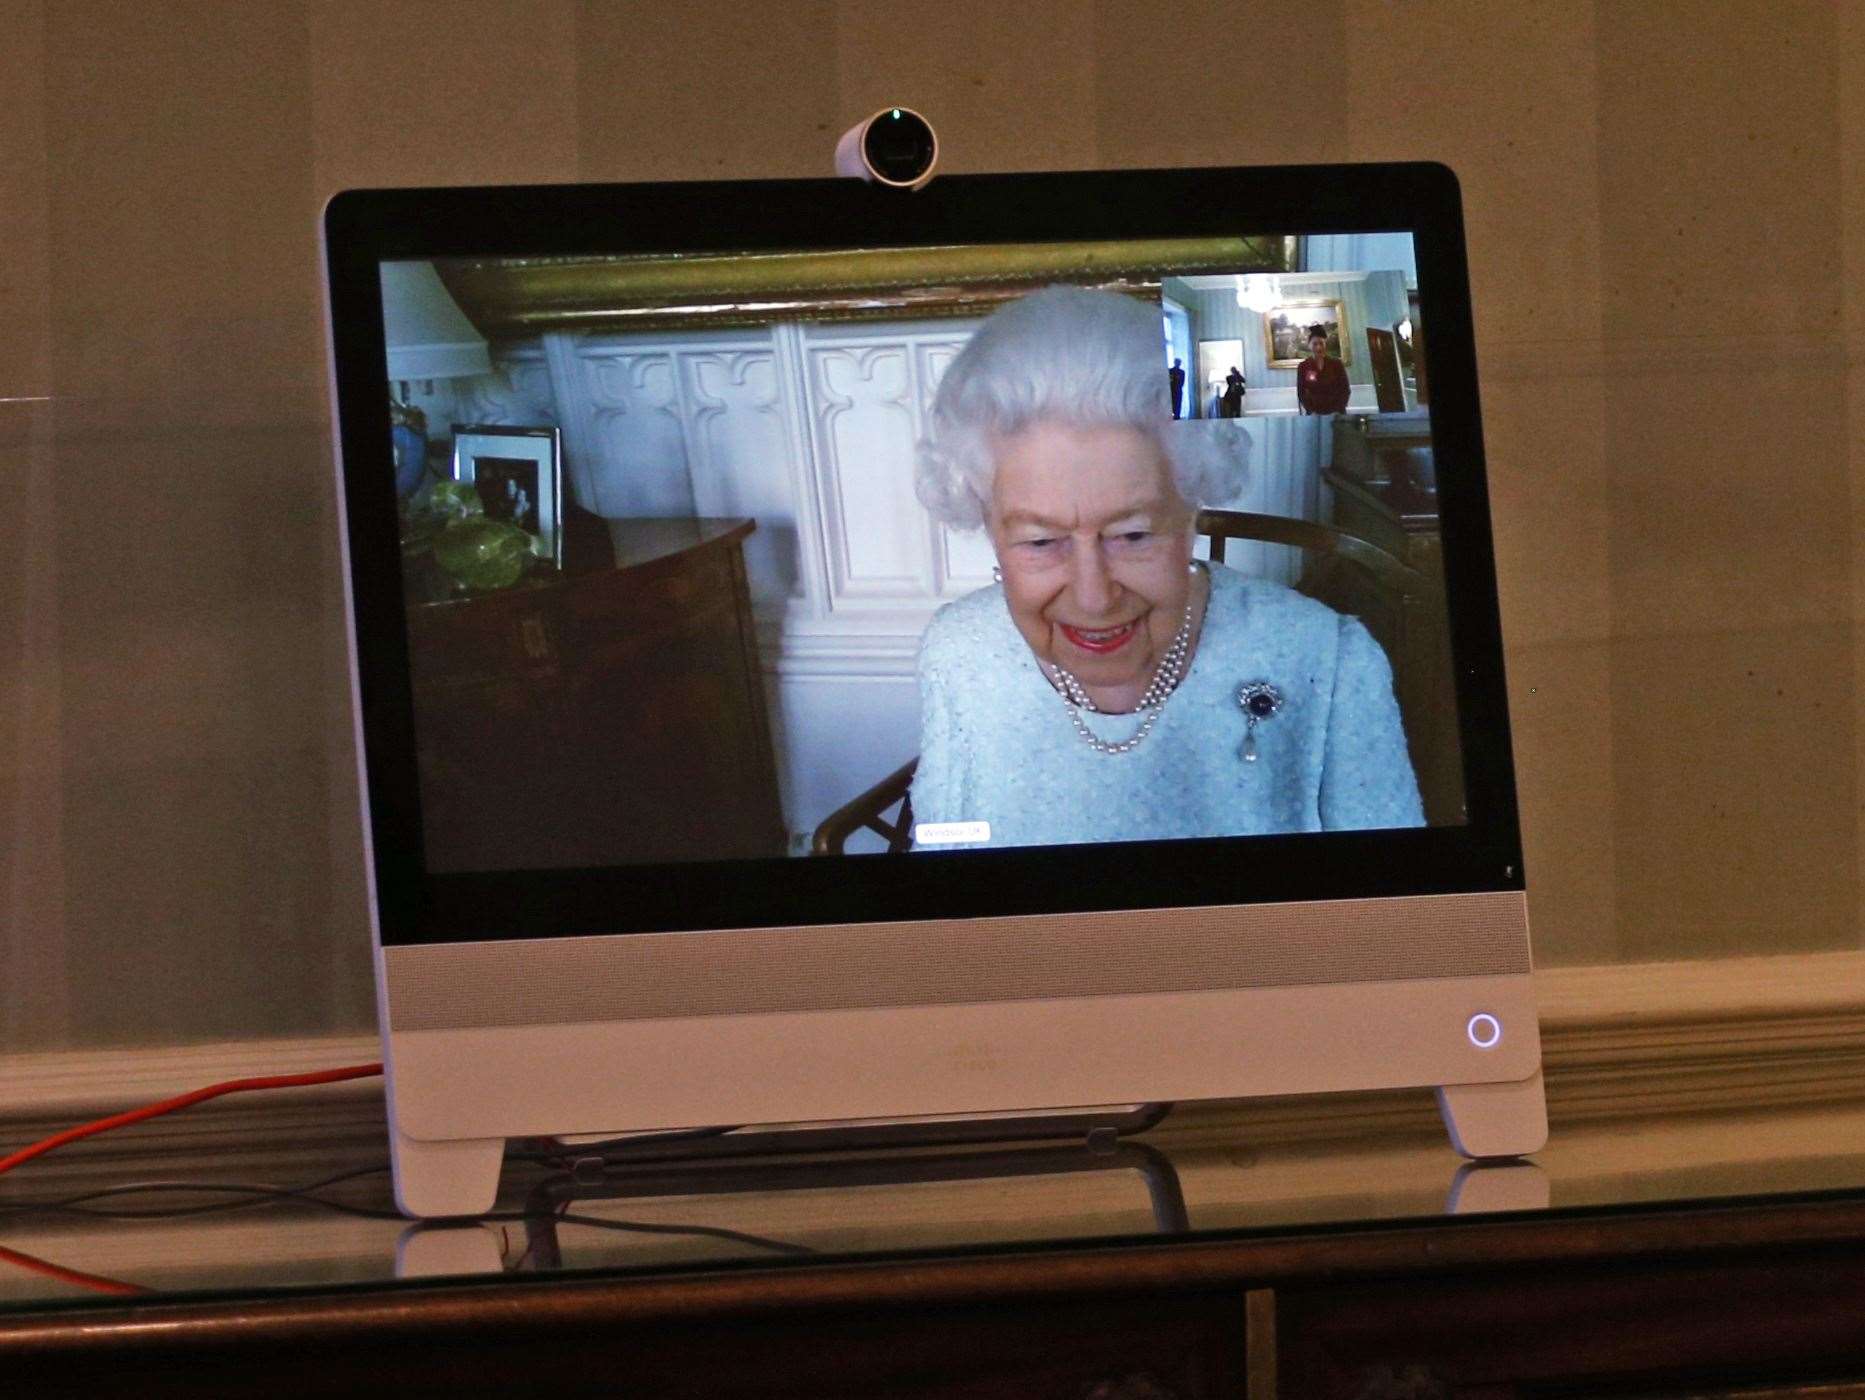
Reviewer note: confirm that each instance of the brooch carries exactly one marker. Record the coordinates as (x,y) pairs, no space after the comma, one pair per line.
(1259,701)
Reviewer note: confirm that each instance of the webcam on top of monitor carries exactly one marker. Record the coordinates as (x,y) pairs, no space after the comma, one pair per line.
(896,147)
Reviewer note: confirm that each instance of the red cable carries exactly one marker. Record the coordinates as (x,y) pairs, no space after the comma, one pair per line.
(156,1110)
(138,1115)
(33,1264)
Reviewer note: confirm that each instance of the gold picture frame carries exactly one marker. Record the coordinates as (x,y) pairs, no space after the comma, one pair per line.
(511,298)
(1285,330)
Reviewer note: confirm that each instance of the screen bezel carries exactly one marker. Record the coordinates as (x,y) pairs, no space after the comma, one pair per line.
(364,228)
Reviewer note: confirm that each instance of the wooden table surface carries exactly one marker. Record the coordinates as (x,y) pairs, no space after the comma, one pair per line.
(1312,1267)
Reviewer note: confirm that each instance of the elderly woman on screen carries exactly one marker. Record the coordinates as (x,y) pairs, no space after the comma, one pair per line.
(1110,687)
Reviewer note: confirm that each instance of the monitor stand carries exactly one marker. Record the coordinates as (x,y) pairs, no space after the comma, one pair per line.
(838,1157)
(430,1249)
(466,1170)
(459,1177)
(552,1197)
(1501,1120)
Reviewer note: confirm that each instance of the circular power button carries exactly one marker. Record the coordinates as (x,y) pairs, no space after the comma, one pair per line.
(1485,1030)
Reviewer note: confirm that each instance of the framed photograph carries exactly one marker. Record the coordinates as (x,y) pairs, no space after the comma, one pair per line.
(1285,332)
(1216,358)
(518,473)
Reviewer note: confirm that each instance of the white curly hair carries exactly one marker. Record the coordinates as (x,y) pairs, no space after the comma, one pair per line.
(1063,354)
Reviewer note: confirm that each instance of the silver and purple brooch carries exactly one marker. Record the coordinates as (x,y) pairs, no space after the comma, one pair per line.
(1259,701)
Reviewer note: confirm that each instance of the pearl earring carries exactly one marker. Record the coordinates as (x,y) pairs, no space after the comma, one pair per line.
(997,574)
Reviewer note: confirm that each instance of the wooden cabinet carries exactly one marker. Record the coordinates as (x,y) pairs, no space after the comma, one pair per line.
(1667,1315)
(1693,1301)
(610,714)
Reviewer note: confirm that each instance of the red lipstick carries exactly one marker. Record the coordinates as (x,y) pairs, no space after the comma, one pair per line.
(1100,640)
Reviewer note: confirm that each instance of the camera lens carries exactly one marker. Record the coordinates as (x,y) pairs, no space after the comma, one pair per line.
(898,146)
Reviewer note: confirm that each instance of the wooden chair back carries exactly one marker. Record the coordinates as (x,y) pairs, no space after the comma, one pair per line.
(1321,541)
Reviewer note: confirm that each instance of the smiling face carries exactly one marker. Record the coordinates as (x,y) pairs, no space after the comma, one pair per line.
(1318,347)
(1095,545)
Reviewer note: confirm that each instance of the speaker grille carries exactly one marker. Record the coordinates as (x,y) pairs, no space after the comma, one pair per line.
(644,976)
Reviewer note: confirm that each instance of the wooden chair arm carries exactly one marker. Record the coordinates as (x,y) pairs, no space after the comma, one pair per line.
(868,812)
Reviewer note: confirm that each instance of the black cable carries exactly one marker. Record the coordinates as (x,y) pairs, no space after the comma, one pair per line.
(613,1150)
(260,1193)
(250,1194)
(643,1228)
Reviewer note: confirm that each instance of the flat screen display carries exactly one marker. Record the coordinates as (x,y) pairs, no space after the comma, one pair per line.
(971,571)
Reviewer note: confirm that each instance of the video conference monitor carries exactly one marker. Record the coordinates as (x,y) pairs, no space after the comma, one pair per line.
(831,652)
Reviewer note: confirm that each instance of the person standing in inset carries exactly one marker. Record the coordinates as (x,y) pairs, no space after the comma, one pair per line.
(1177,377)
(1231,404)
(1321,381)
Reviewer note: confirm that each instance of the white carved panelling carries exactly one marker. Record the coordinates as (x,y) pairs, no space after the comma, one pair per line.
(962,559)
(866,421)
(792,361)
(740,455)
(636,463)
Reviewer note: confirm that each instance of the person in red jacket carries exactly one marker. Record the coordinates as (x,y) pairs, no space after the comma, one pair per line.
(1321,382)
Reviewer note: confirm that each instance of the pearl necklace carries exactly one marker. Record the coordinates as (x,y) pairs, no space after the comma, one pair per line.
(1166,678)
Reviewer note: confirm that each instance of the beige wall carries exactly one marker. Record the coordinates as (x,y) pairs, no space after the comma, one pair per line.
(1666,207)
